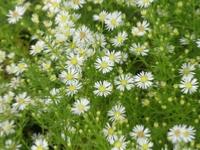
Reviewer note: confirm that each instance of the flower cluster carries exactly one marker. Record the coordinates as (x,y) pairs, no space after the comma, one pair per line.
(99,74)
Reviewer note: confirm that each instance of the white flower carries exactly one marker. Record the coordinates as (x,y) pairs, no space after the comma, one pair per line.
(117,113)
(198,43)
(141,28)
(181,133)
(40,144)
(113,20)
(37,48)
(187,69)
(143,80)
(188,133)
(119,143)
(143,3)
(139,132)
(2,56)
(145,144)
(20,68)
(22,101)
(7,127)
(10,144)
(104,64)
(69,75)
(100,40)
(101,17)
(114,56)
(103,88)
(15,15)
(118,40)
(81,106)
(110,132)
(73,87)
(124,82)
(138,49)
(184,41)
(52,5)
(74,61)
(189,85)
(74,4)
(83,36)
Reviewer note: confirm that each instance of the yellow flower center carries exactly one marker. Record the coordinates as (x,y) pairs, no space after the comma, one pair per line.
(140,134)
(74,61)
(124,82)
(186,71)
(102,88)
(117,115)
(118,144)
(177,133)
(144,78)
(114,22)
(39,147)
(119,39)
(82,35)
(110,131)
(81,107)
(72,88)
(69,76)
(21,101)
(188,85)
(104,65)
(145,147)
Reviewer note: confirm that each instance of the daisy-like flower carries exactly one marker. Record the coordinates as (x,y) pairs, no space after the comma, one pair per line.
(81,106)
(62,17)
(109,132)
(117,113)
(187,69)
(52,5)
(103,88)
(138,49)
(143,3)
(20,68)
(104,64)
(113,20)
(73,87)
(175,134)
(139,132)
(181,133)
(124,82)
(37,48)
(40,144)
(189,85)
(100,40)
(74,61)
(114,56)
(75,4)
(69,75)
(119,143)
(22,101)
(10,144)
(145,144)
(143,80)
(124,57)
(101,17)
(2,56)
(15,15)
(83,36)
(188,133)
(141,28)
(198,43)
(7,128)
(118,40)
